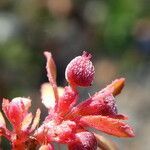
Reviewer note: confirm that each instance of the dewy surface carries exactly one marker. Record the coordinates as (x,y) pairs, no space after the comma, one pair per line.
(66,121)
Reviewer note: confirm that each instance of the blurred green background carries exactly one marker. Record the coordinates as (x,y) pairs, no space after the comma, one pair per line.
(117,33)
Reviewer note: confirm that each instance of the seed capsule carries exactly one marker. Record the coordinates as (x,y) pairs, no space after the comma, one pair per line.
(80,71)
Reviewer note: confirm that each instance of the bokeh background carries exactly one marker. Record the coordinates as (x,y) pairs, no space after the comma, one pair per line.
(117,33)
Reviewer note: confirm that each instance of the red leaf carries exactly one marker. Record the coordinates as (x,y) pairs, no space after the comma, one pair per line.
(50,67)
(119,116)
(116,86)
(67,100)
(51,72)
(109,125)
(98,104)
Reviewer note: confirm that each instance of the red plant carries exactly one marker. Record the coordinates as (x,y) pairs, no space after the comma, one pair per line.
(66,121)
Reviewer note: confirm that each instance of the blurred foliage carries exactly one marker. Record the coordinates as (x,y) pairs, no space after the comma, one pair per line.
(118,30)
(119,24)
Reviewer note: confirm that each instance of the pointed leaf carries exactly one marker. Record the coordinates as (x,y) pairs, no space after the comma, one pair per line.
(51,67)
(108,125)
(2,120)
(36,120)
(98,104)
(119,116)
(116,86)
(5,105)
(47,95)
(2,125)
(51,74)
(26,121)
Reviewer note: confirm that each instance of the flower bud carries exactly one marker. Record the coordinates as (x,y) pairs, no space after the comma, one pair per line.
(83,141)
(80,71)
(16,110)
